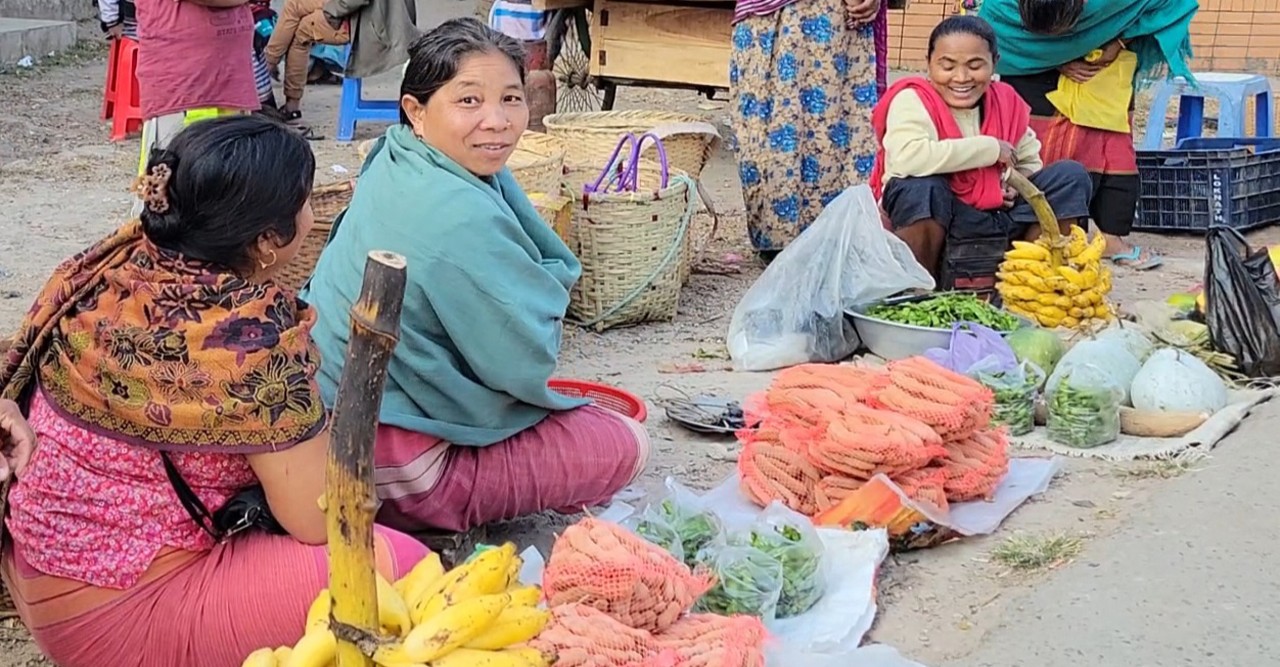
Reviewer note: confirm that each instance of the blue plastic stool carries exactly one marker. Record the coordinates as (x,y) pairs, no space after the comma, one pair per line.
(353,108)
(1232,90)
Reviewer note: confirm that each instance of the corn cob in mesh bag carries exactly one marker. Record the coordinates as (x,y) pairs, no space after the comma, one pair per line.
(606,566)
(974,466)
(950,403)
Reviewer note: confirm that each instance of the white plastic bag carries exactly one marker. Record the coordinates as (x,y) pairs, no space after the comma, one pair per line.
(794,313)
(1111,356)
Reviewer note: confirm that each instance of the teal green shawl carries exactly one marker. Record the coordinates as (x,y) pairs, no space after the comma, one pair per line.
(1158,31)
(488,285)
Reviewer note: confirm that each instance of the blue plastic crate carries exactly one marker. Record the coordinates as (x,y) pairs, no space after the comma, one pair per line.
(1210,181)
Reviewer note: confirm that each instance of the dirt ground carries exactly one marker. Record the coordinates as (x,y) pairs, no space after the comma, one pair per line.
(63,185)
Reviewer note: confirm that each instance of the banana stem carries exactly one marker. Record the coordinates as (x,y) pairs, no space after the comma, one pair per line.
(351,500)
(1044,214)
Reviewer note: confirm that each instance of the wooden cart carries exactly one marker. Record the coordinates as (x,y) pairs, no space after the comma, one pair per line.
(598,45)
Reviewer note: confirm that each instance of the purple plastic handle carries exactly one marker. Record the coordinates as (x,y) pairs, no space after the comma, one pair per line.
(626,176)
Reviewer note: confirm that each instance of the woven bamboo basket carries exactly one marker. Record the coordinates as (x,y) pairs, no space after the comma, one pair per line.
(632,249)
(538,162)
(556,211)
(590,137)
(327,202)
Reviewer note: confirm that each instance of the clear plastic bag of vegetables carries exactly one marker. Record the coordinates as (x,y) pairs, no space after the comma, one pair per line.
(1015,395)
(1084,407)
(681,523)
(748,581)
(790,539)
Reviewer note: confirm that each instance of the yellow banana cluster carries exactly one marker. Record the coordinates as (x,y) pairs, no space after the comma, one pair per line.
(475,615)
(1073,295)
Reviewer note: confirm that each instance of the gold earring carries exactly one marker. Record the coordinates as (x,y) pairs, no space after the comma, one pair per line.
(267,265)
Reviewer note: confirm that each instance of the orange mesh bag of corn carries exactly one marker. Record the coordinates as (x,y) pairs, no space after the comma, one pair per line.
(583,636)
(975,465)
(862,442)
(952,404)
(603,565)
(710,640)
(833,489)
(925,484)
(769,471)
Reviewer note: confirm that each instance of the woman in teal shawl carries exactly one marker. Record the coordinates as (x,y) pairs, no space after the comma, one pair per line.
(469,432)
(1043,42)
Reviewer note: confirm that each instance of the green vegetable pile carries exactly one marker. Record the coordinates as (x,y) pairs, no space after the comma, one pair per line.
(1015,400)
(669,525)
(748,581)
(802,583)
(943,310)
(1083,416)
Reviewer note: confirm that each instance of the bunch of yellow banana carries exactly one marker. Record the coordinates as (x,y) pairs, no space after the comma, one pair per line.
(475,615)
(1073,295)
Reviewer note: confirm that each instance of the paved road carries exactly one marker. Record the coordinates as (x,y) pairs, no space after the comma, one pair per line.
(1194,579)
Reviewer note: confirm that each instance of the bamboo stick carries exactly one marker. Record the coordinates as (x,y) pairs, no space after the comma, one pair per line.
(350,497)
(1044,214)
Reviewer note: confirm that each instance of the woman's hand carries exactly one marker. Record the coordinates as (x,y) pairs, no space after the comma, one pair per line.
(1080,71)
(17,440)
(861,12)
(1110,51)
(1008,155)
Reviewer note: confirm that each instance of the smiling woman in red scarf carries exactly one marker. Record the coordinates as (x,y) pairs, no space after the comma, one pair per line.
(945,141)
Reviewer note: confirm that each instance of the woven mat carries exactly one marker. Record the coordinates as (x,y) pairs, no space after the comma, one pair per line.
(1129,448)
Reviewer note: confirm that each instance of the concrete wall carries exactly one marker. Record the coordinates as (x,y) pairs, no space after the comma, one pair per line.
(53,10)
(1227,35)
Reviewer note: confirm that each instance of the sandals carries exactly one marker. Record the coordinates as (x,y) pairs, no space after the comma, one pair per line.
(1133,259)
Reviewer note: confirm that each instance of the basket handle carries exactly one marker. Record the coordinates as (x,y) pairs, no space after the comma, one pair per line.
(615,171)
(662,161)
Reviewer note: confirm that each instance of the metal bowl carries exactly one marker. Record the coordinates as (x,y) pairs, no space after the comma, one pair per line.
(890,340)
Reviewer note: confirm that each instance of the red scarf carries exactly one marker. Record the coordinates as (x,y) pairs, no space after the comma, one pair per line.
(1005,116)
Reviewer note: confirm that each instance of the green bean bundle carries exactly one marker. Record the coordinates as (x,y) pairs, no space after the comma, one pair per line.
(1084,412)
(943,310)
(802,581)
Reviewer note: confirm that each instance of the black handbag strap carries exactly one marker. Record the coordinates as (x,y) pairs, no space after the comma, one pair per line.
(190,501)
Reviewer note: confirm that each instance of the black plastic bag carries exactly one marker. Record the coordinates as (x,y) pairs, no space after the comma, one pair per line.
(1242,302)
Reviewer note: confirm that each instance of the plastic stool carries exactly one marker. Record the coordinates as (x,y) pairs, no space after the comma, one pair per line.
(120,102)
(1232,90)
(353,108)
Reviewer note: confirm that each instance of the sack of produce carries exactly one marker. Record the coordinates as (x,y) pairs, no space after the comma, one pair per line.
(1242,309)
(794,313)
(711,640)
(951,404)
(748,581)
(580,635)
(1084,406)
(609,567)
(1133,340)
(1111,357)
(926,484)
(1015,396)
(975,466)
(679,524)
(1176,381)
(1041,347)
(791,539)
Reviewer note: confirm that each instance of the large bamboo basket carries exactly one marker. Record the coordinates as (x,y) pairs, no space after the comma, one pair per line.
(327,202)
(590,137)
(633,251)
(538,162)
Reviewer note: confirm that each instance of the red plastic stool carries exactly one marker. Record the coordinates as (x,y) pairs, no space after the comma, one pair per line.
(120,101)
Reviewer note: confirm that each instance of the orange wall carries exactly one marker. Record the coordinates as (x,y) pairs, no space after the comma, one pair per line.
(1227,35)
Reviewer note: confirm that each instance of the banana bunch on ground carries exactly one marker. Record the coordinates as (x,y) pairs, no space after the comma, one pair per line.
(475,615)
(1072,295)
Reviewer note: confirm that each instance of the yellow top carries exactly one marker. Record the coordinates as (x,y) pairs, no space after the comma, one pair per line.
(912,147)
(1103,102)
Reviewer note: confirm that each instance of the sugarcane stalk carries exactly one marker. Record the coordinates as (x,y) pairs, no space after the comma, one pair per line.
(351,499)
(1044,214)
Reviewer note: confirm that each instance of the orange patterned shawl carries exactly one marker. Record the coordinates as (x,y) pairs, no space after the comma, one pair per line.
(144,345)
